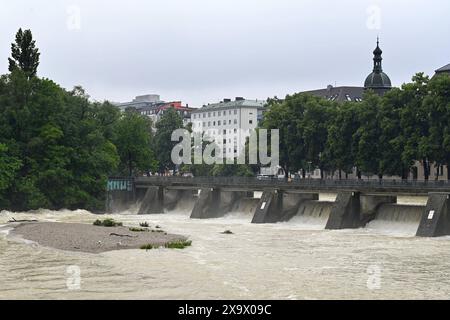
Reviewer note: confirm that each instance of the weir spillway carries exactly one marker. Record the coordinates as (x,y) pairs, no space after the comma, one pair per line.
(358,203)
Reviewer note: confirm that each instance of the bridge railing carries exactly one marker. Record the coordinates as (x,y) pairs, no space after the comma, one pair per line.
(236,181)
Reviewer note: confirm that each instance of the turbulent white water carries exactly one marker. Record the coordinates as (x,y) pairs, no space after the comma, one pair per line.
(291,260)
(312,215)
(397,219)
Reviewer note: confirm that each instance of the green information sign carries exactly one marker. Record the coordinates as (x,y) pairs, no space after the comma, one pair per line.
(120,185)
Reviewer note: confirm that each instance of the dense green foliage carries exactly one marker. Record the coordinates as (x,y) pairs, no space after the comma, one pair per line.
(133,138)
(379,136)
(169,122)
(57,148)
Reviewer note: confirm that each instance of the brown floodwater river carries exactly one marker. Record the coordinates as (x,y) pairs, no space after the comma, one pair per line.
(291,260)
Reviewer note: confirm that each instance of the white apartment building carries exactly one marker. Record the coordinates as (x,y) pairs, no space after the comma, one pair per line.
(229,123)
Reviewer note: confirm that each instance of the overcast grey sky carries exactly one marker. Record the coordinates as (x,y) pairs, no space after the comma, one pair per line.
(201,51)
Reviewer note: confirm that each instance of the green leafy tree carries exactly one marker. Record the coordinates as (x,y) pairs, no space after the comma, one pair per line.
(9,167)
(392,139)
(286,116)
(169,122)
(437,105)
(133,138)
(314,128)
(339,151)
(367,135)
(24,54)
(414,121)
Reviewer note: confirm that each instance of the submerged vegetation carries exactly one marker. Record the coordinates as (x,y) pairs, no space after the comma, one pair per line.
(180,244)
(107,223)
(177,244)
(138,229)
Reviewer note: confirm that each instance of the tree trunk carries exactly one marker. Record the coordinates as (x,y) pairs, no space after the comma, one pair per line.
(303,173)
(425,169)
(321,173)
(346,175)
(130,166)
(340,174)
(404,174)
(448,171)
(380,176)
(358,173)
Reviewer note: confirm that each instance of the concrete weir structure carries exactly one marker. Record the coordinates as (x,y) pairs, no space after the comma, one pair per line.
(215,203)
(435,220)
(276,205)
(357,202)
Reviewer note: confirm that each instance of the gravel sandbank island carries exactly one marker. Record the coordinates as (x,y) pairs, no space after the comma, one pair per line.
(93,239)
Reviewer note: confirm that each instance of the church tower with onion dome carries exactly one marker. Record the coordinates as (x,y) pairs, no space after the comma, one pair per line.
(378,81)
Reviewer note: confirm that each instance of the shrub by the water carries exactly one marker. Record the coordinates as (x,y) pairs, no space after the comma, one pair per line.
(144,224)
(138,230)
(107,223)
(180,244)
(148,247)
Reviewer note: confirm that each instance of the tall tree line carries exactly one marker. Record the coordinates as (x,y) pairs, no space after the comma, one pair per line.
(379,136)
(57,147)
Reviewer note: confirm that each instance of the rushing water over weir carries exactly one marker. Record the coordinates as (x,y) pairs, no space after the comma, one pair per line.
(295,259)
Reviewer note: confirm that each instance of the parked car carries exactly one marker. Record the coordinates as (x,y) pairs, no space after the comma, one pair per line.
(187,175)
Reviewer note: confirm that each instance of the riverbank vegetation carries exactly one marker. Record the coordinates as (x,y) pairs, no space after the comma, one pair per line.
(177,244)
(107,223)
(57,146)
(378,135)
